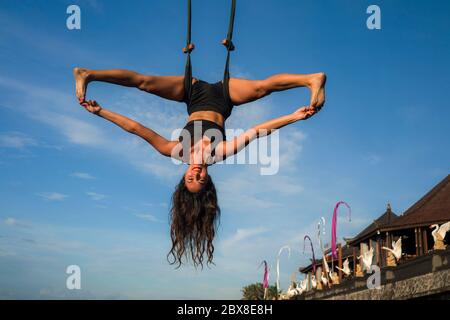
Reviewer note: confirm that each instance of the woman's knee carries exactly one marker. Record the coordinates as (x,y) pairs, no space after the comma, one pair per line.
(262,88)
(146,83)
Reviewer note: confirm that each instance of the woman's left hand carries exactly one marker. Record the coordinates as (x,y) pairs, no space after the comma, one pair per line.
(92,106)
(304,113)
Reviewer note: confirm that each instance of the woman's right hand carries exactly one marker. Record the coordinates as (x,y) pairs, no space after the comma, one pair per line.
(92,106)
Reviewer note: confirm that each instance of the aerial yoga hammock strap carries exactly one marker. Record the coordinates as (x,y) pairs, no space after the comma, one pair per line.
(228,43)
(188,49)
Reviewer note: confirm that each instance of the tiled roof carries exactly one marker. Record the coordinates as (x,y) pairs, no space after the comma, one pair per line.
(434,207)
(385,220)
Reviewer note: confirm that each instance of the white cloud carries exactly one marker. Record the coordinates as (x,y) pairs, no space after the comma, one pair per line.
(125,256)
(82,175)
(96,196)
(242,235)
(240,72)
(16,140)
(161,170)
(291,145)
(248,115)
(245,190)
(160,204)
(12,222)
(53,196)
(33,92)
(163,116)
(147,217)
(76,131)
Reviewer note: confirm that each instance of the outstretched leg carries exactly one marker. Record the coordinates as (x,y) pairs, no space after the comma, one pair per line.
(244,91)
(168,87)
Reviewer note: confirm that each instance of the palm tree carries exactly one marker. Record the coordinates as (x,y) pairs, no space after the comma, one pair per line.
(255,291)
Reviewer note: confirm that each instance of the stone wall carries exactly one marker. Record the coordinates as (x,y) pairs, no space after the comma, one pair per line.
(415,287)
(424,276)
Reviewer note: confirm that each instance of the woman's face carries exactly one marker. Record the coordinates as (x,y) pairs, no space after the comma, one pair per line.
(196,177)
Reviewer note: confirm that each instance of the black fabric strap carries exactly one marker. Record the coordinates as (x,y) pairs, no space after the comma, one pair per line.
(230,47)
(229,44)
(188,49)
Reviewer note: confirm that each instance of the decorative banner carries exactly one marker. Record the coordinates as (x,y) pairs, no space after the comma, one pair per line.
(312,249)
(266,274)
(320,231)
(278,265)
(334,225)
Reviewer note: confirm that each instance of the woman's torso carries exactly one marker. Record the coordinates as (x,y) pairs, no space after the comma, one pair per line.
(212,116)
(208,107)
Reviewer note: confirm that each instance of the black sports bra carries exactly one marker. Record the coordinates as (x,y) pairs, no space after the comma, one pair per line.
(194,131)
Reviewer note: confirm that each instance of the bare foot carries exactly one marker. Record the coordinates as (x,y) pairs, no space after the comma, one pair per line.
(317,87)
(80,75)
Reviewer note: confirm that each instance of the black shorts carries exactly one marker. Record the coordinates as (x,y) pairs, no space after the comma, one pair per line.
(209,97)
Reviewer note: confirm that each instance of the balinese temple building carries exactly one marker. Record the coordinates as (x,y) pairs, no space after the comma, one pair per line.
(416,267)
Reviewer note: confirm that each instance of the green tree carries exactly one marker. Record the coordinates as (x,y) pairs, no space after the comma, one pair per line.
(255,291)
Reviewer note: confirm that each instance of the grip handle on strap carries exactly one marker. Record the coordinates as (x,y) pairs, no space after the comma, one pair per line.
(228,44)
(189,48)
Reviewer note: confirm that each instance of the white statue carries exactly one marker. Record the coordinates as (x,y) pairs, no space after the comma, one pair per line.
(439,235)
(324,278)
(292,292)
(346,270)
(396,249)
(304,285)
(313,281)
(367,258)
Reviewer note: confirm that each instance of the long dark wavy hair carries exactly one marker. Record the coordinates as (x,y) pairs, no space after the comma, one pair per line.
(194,218)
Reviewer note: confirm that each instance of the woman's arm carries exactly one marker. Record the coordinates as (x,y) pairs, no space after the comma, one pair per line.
(229,148)
(161,144)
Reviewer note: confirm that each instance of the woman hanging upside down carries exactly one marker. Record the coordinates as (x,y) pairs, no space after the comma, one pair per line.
(195,210)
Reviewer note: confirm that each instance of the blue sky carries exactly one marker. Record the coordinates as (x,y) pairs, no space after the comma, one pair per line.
(74,189)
